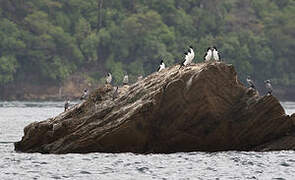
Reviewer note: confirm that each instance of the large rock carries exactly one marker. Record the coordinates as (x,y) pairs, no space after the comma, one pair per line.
(203,107)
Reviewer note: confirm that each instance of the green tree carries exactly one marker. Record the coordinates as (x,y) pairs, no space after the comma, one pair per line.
(8,67)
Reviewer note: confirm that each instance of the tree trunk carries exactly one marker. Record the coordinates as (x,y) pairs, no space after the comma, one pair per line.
(99,14)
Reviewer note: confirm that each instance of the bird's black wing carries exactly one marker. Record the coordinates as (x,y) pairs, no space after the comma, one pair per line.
(252,84)
(205,56)
(182,64)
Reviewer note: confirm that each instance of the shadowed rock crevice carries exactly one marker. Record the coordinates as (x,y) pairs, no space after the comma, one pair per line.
(203,107)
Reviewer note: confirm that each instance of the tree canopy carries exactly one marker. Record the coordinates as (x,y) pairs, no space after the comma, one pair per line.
(53,39)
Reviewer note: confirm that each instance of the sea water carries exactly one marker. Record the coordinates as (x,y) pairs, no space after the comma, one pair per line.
(14,116)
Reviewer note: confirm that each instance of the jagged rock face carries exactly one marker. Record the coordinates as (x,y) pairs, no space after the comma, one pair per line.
(203,107)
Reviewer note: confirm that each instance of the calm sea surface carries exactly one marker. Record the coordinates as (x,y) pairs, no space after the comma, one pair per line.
(14,116)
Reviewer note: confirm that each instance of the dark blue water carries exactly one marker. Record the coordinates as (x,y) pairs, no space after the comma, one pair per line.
(14,116)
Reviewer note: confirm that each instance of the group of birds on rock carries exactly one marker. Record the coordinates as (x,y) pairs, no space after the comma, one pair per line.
(109,79)
(211,54)
(267,83)
(82,98)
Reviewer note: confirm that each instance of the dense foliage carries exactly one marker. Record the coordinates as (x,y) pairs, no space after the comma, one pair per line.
(49,40)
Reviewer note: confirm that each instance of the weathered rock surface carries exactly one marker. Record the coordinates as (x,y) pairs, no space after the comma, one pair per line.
(203,107)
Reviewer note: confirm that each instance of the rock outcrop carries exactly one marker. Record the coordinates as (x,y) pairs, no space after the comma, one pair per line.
(203,107)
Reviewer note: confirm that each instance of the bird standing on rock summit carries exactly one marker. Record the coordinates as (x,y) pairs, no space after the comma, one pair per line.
(250,82)
(188,58)
(109,78)
(161,66)
(215,54)
(191,55)
(208,55)
(268,86)
(125,79)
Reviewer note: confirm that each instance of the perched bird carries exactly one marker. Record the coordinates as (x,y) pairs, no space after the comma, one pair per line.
(116,93)
(185,61)
(208,55)
(109,78)
(191,55)
(268,86)
(85,94)
(188,58)
(250,82)
(161,66)
(125,79)
(67,104)
(215,54)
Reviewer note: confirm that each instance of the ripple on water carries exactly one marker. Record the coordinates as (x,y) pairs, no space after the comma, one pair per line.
(291,160)
(285,164)
(191,165)
(56,177)
(85,172)
(86,159)
(143,169)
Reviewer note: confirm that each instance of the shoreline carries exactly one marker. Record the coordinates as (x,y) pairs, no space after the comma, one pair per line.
(76,94)
(73,88)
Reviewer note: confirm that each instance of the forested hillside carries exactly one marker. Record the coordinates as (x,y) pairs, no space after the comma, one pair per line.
(50,40)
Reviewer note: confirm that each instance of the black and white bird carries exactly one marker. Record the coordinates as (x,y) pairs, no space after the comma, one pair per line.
(268,86)
(250,82)
(208,55)
(191,55)
(109,78)
(85,94)
(186,60)
(161,66)
(215,53)
(67,104)
(116,93)
(125,79)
